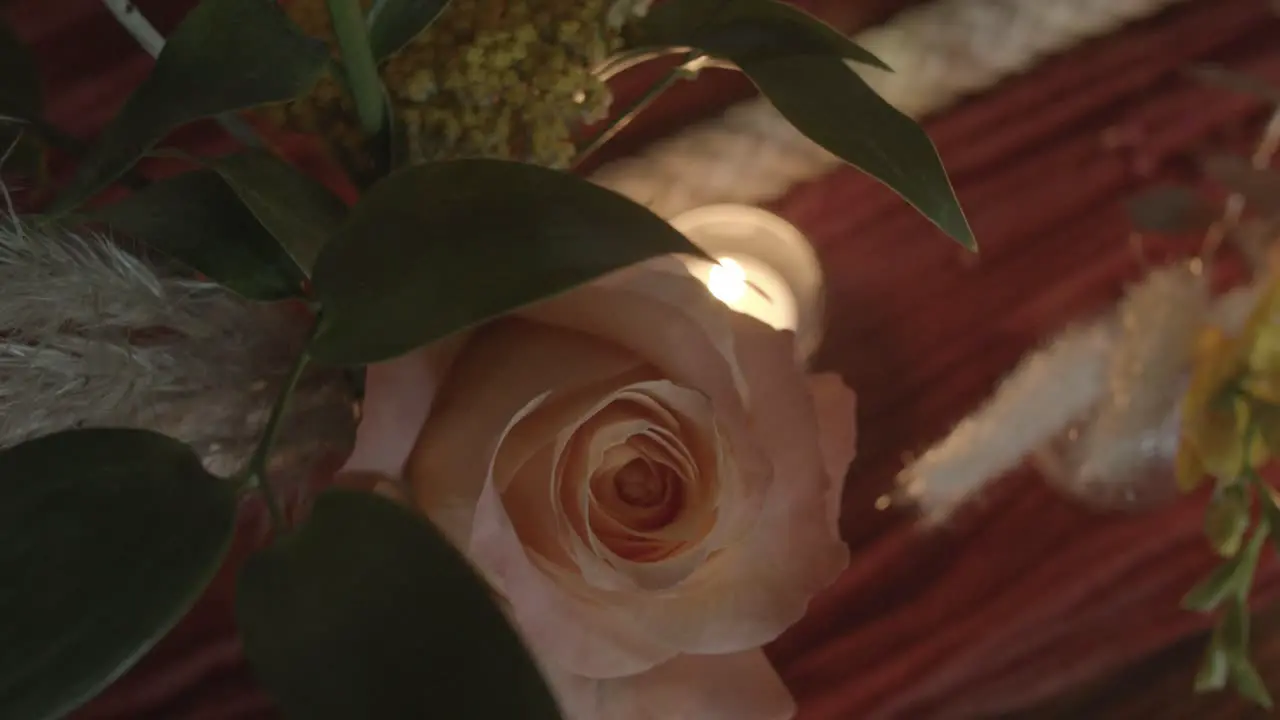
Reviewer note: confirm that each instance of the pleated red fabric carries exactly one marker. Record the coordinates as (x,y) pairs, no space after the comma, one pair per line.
(1027,594)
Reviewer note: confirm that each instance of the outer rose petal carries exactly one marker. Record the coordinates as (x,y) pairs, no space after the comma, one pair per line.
(837,410)
(582,638)
(739,686)
(503,367)
(506,371)
(753,591)
(398,397)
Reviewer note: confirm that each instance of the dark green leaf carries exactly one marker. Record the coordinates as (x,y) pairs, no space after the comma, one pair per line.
(1171,209)
(438,248)
(1237,82)
(1211,591)
(368,612)
(106,538)
(1249,559)
(835,108)
(28,154)
(799,65)
(297,210)
(20,91)
(393,23)
(20,106)
(197,219)
(746,32)
(1250,684)
(227,55)
(1235,628)
(1234,576)
(1227,519)
(1265,416)
(1215,669)
(1271,514)
(1260,187)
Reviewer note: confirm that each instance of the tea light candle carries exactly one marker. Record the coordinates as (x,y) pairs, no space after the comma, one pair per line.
(765,268)
(751,288)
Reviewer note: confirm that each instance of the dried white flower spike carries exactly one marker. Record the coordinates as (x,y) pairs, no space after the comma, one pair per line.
(1049,388)
(1159,320)
(92,335)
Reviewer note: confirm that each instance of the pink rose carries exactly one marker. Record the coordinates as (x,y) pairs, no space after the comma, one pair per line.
(646,476)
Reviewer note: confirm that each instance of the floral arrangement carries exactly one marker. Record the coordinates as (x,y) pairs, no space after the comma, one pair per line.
(1173,377)
(592,483)
(1229,425)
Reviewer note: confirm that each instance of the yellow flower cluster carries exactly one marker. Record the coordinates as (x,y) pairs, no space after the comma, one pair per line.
(1231,412)
(507,79)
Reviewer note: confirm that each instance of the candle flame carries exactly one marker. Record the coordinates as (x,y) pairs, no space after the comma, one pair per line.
(728,281)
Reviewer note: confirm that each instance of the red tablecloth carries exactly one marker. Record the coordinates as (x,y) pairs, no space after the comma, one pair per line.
(1025,595)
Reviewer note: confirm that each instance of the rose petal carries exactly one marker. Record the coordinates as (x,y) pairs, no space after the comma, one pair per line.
(837,410)
(582,637)
(398,396)
(738,686)
(749,593)
(500,371)
(672,322)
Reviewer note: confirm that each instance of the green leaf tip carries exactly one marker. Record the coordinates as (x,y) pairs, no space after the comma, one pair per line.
(802,66)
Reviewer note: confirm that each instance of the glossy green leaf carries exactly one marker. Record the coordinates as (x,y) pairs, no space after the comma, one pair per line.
(1233,576)
(1227,519)
(745,31)
(106,539)
(435,249)
(227,55)
(393,23)
(1271,514)
(1210,592)
(1250,685)
(24,154)
(297,210)
(801,68)
(20,105)
(1234,629)
(367,612)
(197,219)
(835,108)
(1171,209)
(1215,668)
(1250,555)
(19,92)
(20,95)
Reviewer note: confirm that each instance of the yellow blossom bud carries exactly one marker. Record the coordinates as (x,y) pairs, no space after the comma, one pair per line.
(498,78)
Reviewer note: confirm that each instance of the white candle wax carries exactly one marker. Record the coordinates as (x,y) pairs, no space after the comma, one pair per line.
(766,268)
(751,288)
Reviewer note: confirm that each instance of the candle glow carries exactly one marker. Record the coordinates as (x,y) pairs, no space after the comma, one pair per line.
(763,268)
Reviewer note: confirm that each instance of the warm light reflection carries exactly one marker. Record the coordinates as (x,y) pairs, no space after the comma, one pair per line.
(727,281)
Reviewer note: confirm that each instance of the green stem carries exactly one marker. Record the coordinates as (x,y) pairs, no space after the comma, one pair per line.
(363,81)
(257,470)
(687,69)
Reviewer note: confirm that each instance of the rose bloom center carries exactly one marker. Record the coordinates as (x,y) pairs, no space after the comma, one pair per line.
(638,484)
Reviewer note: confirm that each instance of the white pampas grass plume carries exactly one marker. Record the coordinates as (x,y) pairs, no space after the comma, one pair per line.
(93,335)
(1159,319)
(1048,389)
(1141,349)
